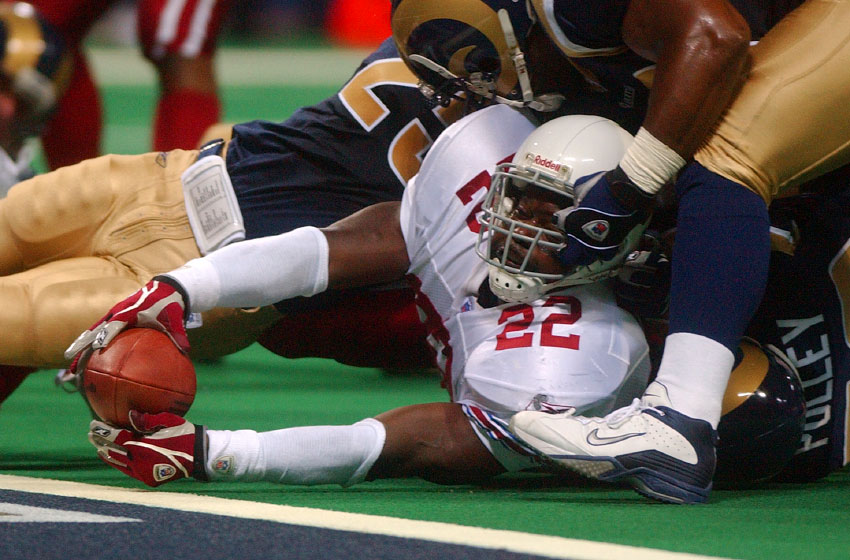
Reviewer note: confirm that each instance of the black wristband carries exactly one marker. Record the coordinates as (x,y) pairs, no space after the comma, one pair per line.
(629,195)
(180,290)
(199,463)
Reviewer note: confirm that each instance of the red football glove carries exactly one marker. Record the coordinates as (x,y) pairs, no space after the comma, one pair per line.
(160,448)
(159,305)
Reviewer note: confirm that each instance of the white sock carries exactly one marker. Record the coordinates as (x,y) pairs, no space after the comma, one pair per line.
(257,272)
(695,370)
(306,455)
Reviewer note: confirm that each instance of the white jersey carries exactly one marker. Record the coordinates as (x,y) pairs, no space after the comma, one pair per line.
(574,348)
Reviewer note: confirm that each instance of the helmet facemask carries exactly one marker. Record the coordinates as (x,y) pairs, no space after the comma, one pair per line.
(476,50)
(508,244)
(442,87)
(549,161)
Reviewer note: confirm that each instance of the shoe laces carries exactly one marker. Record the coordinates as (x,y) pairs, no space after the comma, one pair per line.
(620,416)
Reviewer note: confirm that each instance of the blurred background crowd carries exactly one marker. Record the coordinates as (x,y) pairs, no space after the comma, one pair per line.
(345,23)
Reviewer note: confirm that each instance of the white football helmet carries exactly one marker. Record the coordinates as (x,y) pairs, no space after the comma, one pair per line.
(553,157)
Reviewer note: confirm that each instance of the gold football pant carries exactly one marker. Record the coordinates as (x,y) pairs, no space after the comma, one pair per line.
(76,241)
(791,120)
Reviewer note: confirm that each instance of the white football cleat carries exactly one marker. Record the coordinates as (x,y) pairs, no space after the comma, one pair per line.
(662,453)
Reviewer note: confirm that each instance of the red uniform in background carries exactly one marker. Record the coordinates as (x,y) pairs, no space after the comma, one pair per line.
(177,36)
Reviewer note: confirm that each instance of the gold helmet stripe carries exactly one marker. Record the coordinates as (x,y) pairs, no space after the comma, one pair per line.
(544,10)
(410,14)
(746,377)
(783,240)
(24,41)
(456,65)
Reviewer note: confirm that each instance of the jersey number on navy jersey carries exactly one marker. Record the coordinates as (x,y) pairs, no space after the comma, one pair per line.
(408,147)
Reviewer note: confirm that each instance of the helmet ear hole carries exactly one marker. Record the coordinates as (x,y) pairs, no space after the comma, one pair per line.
(763,418)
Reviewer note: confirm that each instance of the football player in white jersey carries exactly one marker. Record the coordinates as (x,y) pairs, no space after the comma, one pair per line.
(511,330)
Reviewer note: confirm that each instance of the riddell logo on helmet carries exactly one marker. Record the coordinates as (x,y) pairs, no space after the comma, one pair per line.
(547,163)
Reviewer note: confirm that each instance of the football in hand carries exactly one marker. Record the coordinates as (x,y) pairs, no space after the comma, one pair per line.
(142,370)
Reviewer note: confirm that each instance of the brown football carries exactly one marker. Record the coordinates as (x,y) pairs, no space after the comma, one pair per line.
(142,370)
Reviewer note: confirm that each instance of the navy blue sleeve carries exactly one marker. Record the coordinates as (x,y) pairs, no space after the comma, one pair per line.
(591,24)
(323,164)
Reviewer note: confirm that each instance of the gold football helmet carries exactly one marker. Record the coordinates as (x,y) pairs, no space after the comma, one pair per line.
(471,47)
(34,63)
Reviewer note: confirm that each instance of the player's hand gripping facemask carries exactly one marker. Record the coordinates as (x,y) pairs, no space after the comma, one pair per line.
(551,158)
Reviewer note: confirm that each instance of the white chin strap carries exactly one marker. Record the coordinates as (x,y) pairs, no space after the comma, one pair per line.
(544,103)
(521,288)
(515,288)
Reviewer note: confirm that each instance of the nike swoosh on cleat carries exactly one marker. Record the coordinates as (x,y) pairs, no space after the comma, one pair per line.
(594,439)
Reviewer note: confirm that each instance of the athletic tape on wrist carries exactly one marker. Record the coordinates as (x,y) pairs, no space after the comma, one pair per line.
(649,163)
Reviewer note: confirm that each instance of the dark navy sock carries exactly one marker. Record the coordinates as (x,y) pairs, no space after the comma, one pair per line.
(720,256)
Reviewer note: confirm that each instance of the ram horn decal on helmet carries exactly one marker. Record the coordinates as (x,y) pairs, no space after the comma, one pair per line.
(471,46)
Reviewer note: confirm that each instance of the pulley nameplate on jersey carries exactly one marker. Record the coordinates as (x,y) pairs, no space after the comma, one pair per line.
(211,204)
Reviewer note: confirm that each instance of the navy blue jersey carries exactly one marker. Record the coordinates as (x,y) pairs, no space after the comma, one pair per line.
(589,34)
(806,313)
(616,87)
(587,28)
(354,149)
(617,80)
(327,161)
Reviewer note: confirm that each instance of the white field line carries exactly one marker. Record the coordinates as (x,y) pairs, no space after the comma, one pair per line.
(514,541)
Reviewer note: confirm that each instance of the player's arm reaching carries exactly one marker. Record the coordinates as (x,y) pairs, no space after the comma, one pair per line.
(363,249)
(701,55)
(434,441)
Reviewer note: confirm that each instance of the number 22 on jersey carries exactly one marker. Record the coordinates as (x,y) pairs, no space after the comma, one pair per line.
(527,326)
